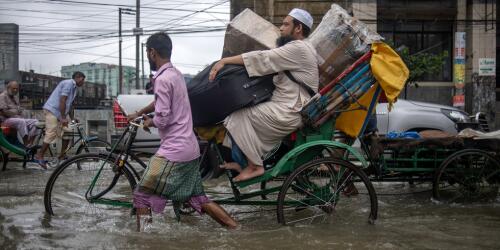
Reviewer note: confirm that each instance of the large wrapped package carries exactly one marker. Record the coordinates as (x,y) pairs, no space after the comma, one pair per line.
(231,90)
(248,32)
(339,41)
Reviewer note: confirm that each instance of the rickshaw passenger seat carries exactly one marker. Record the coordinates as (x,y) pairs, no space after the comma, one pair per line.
(8,131)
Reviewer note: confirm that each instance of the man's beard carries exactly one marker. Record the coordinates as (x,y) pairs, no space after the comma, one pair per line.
(282,40)
(11,93)
(152,65)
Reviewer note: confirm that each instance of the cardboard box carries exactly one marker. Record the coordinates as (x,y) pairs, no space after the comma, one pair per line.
(248,32)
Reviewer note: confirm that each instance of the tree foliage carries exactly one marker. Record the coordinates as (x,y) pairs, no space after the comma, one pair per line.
(421,64)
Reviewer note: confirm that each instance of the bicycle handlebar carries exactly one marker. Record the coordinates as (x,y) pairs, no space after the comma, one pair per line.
(138,121)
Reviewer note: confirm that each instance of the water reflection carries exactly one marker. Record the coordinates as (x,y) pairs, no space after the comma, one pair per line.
(405,221)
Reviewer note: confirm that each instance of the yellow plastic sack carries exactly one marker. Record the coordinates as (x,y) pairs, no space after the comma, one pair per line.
(390,72)
(208,133)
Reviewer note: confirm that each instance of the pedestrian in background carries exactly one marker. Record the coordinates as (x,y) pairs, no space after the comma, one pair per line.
(56,111)
(11,114)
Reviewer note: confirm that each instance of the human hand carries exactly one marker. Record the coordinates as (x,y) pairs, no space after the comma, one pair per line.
(215,69)
(148,122)
(133,116)
(64,122)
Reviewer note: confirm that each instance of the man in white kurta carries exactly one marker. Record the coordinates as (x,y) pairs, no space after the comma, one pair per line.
(258,129)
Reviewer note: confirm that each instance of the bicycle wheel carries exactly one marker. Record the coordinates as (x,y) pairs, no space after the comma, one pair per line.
(93,146)
(466,176)
(326,190)
(65,193)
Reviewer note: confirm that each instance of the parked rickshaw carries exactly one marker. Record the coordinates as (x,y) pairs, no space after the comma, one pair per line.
(12,150)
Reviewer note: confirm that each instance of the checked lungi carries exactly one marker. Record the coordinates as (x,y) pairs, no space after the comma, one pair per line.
(166,180)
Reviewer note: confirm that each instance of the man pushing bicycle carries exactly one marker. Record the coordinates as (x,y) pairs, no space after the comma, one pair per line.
(172,172)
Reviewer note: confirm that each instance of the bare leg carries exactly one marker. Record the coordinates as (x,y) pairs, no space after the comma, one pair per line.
(219,214)
(232,166)
(41,153)
(145,213)
(64,146)
(251,171)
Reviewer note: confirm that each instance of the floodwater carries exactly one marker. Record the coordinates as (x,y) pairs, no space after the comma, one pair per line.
(408,219)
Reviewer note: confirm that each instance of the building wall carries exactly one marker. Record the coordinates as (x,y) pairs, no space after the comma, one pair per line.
(480,43)
(464,15)
(366,11)
(9,51)
(275,10)
(103,73)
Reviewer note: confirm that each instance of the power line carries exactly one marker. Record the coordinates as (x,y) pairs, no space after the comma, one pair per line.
(127,6)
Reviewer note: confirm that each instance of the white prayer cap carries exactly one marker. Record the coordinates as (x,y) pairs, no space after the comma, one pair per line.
(302,16)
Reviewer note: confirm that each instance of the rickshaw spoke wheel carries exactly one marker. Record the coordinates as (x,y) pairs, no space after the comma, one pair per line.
(466,176)
(322,191)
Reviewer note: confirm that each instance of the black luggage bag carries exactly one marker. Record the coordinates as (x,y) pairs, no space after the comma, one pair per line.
(231,90)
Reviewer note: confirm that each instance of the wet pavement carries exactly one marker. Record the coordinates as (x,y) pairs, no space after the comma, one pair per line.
(408,219)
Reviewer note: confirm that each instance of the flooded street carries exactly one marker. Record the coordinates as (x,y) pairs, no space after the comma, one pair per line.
(407,219)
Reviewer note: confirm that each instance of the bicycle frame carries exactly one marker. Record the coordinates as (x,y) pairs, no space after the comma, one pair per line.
(121,161)
(82,137)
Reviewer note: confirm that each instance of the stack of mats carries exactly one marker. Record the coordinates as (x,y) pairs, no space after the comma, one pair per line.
(340,93)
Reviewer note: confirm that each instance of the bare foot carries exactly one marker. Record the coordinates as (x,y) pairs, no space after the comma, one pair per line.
(143,218)
(249,173)
(219,214)
(40,161)
(232,166)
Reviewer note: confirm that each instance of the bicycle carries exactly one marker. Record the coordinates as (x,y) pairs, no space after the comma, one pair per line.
(85,144)
(103,178)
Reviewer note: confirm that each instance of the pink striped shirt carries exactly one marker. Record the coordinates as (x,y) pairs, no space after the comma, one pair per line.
(173,116)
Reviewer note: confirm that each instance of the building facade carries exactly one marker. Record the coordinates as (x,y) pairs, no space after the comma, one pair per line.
(9,51)
(107,74)
(36,88)
(422,26)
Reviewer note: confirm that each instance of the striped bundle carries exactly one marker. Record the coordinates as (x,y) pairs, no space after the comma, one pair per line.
(340,93)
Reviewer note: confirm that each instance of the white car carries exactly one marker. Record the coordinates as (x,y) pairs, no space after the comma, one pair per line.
(404,116)
(417,116)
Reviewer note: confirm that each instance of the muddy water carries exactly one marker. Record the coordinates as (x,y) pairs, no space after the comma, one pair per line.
(408,219)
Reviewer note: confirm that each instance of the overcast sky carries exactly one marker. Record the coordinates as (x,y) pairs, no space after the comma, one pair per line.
(54,33)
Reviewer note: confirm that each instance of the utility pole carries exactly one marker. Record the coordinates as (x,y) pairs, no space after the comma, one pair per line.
(120,68)
(142,66)
(138,33)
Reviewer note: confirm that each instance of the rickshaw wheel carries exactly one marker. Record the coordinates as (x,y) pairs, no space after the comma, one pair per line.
(467,175)
(313,192)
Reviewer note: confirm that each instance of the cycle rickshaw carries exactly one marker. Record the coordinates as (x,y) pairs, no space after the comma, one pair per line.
(309,177)
(9,143)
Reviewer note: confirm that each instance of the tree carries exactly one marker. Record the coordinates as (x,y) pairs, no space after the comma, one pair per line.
(420,64)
